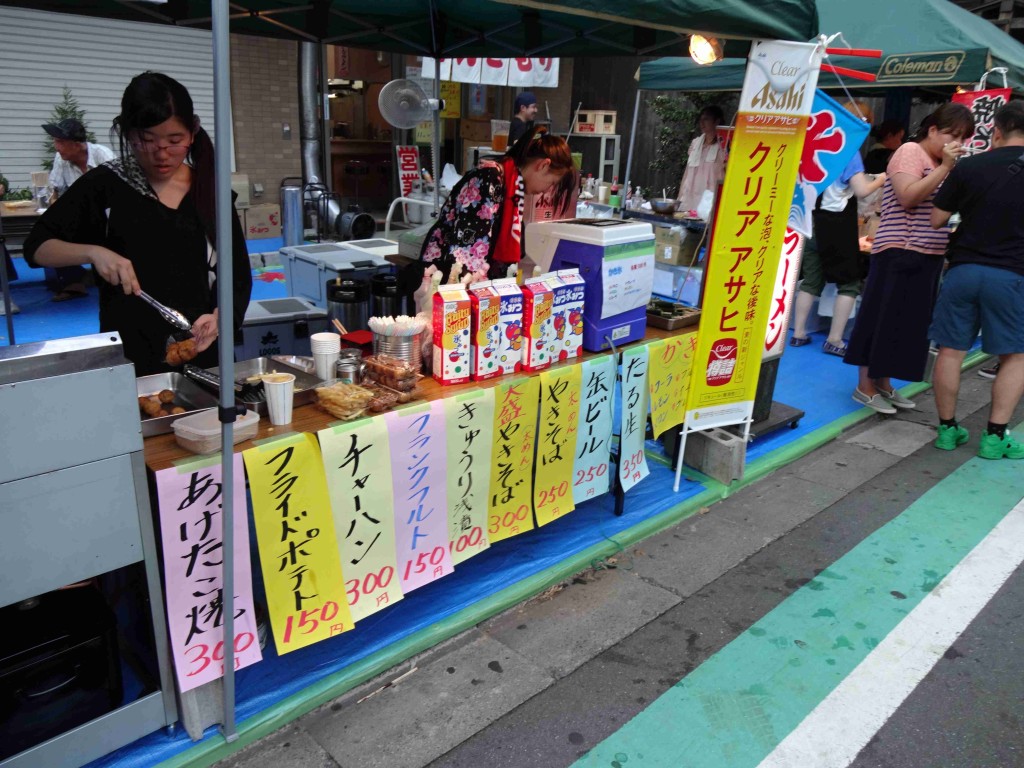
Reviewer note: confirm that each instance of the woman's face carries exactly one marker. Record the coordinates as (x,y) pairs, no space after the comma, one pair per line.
(161,149)
(938,138)
(538,177)
(707,124)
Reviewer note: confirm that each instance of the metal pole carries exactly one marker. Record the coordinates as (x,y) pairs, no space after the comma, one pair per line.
(632,139)
(226,335)
(6,287)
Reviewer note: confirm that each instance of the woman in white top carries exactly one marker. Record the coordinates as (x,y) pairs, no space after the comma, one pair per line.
(705,164)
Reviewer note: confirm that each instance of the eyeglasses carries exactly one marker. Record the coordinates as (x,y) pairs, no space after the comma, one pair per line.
(152,147)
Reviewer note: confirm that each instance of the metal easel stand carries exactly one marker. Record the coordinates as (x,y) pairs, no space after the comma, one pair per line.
(5,284)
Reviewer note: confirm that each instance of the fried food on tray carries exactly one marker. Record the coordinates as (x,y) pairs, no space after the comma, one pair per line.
(344,401)
(166,396)
(181,352)
(177,409)
(152,407)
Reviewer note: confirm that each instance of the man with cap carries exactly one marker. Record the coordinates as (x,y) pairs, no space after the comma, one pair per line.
(75,155)
(525,112)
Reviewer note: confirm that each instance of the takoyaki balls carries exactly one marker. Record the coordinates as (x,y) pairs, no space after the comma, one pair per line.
(166,396)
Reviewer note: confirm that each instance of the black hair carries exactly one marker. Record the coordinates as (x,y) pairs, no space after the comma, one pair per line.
(150,99)
(713,110)
(1009,118)
(538,144)
(954,118)
(888,128)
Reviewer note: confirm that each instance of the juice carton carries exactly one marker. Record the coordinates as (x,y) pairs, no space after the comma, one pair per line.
(538,325)
(451,334)
(568,314)
(510,349)
(485,338)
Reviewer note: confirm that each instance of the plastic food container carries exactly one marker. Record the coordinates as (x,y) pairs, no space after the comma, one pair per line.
(200,433)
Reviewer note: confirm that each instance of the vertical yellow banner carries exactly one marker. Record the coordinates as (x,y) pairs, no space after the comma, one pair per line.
(357,462)
(470,431)
(671,361)
(515,434)
(749,228)
(298,551)
(556,442)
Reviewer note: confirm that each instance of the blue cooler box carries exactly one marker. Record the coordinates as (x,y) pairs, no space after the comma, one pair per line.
(279,327)
(307,268)
(616,260)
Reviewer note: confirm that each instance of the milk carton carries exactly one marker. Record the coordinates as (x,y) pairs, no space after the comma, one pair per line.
(485,326)
(567,313)
(451,334)
(510,349)
(538,325)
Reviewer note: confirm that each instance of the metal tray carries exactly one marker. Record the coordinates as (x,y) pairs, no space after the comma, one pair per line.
(187,394)
(305,383)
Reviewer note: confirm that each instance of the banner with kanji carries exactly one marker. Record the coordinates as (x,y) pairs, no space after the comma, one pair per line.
(192,535)
(983,105)
(556,443)
(782,297)
(469,418)
(746,245)
(834,136)
(520,73)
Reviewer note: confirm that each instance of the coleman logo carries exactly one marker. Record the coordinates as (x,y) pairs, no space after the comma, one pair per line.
(721,362)
(790,100)
(937,66)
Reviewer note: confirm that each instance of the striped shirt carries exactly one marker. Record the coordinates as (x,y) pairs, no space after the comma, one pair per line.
(905,228)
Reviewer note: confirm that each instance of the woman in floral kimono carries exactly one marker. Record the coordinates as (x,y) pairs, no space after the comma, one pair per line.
(479,230)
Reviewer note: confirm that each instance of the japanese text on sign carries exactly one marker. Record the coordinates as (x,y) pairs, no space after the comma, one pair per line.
(470,422)
(556,443)
(632,460)
(357,463)
(515,427)
(419,466)
(408,167)
(670,361)
(983,106)
(191,527)
(298,550)
(594,434)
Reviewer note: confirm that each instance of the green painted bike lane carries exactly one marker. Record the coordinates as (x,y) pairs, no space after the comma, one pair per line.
(734,709)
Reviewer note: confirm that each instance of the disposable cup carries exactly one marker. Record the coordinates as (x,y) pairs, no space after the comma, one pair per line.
(325,342)
(280,391)
(325,363)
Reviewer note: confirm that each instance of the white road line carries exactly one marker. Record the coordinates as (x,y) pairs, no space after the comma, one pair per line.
(840,726)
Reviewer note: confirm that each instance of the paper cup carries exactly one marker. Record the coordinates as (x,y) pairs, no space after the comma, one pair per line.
(325,363)
(280,390)
(325,342)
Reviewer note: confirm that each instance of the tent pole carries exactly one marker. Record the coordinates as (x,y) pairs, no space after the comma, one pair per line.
(632,139)
(225,333)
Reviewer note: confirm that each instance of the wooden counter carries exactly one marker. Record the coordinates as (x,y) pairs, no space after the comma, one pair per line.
(162,451)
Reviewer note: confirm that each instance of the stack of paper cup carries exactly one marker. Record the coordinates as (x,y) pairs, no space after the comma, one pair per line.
(326,349)
(280,391)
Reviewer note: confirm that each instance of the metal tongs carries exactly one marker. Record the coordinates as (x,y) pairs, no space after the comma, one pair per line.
(172,316)
(244,391)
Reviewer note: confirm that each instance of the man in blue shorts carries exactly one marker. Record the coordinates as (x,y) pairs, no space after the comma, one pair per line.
(984,287)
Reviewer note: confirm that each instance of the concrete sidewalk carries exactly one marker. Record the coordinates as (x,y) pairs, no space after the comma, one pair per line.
(427,707)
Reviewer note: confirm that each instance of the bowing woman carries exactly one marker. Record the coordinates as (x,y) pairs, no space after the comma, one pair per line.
(147,221)
(479,229)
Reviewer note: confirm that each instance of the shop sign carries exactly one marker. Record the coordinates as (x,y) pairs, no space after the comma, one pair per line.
(419,466)
(594,433)
(749,229)
(451,95)
(519,73)
(408,167)
(782,297)
(930,67)
(191,530)
(983,105)
(671,361)
(635,400)
(510,508)
(469,417)
(357,463)
(556,443)
(298,548)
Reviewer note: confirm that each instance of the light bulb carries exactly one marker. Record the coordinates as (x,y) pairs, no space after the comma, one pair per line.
(705,50)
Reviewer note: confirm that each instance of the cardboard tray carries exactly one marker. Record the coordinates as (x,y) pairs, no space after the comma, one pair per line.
(692,317)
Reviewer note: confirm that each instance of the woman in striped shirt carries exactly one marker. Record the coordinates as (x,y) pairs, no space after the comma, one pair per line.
(890,338)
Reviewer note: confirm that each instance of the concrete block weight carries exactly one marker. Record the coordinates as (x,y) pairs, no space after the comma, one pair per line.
(717,453)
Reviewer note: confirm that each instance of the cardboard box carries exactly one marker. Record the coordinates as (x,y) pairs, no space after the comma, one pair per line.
(451,334)
(568,314)
(263,221)
(674,245)
(475,131)
(597,121)
(538,324)
(485,338)
(510,353)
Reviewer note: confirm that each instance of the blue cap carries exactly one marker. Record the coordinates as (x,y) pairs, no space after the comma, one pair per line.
(524,99)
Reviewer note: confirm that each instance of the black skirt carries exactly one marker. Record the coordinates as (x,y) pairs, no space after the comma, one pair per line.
(890,336)
(838,245)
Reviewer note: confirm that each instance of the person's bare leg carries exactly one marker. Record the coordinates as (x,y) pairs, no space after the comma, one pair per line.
(841,311)
(1007,388)
(801,311)
(946,381)
(865,383)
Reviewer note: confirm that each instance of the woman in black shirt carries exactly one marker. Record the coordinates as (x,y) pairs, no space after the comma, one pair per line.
(147,221)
